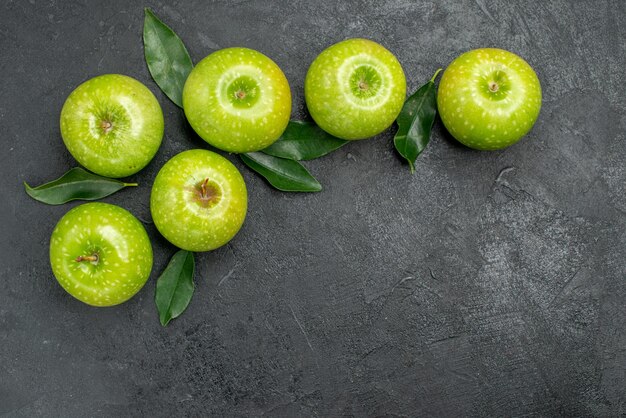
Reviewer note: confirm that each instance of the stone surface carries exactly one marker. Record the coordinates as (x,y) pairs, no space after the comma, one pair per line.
(487,284)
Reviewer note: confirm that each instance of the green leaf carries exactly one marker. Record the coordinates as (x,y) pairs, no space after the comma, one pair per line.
(282,173)
(175,286)
(415,122)
(166,56)
(76,184)
(304,141)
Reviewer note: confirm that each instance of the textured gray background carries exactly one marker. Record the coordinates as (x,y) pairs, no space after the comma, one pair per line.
(489,283)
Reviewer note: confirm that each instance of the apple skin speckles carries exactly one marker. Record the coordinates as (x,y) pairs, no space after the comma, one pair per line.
(355,89)
(199,200)
(100,254)
(112,125)
(237,100)
(488,99)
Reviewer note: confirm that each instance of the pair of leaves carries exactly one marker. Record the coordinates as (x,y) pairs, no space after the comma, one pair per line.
(169,64)
(303,141)
(279,163)
(415,122)
(76,184)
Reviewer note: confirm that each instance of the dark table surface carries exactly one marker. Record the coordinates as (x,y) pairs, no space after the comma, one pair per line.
(488,283)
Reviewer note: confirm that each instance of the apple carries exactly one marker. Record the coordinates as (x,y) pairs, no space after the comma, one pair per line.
(355,89)
(237,100)
(100,254)
(112,125)
(198,200)
(489,98)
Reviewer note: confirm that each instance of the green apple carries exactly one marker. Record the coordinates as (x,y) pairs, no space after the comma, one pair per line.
(199,200)
(100,254)
(237,100)
(489,98)
(112,125)
(355,89)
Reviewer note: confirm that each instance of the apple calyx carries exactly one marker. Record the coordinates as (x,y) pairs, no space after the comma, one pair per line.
(106,126)
(93,258)
(366,81)
(497,85)
(243,92)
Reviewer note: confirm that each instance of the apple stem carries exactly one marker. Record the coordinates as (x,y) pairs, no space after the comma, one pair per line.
(91,258)
(131,184)
(203,188)
(432,80)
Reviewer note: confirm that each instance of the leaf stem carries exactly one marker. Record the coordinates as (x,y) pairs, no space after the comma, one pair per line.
(131,184)
(432,80)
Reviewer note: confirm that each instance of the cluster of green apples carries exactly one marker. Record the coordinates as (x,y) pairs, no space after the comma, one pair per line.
(238,100)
